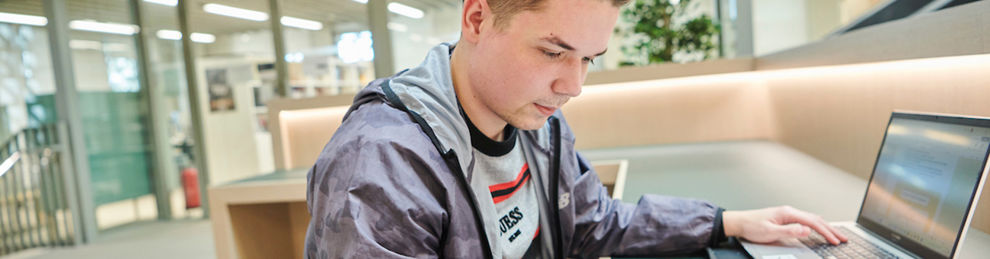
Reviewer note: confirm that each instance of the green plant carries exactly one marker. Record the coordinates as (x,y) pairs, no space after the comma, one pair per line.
(655,37)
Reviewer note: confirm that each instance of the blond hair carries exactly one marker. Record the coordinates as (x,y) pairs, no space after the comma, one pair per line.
(503,10)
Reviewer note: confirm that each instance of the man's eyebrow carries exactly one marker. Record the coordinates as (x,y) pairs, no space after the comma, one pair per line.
(557,41)
(601,53)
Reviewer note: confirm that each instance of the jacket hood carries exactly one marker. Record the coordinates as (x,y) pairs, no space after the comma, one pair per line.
(428,91)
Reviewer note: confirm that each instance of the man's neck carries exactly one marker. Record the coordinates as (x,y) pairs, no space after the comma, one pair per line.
(484,119)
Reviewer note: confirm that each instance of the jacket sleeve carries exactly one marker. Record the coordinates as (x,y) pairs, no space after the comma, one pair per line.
(372,197)
(656,225)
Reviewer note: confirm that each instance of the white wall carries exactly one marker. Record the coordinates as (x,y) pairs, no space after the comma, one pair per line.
(230,135)
(783,24)
(850,10)
(823,18)
(778,25)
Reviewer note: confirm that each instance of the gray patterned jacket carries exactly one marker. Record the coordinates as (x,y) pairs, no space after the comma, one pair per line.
(393,183)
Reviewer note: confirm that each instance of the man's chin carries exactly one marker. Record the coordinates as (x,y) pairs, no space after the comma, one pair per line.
(531,124)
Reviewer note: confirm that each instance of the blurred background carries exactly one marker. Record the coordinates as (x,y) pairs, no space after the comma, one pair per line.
(113,121)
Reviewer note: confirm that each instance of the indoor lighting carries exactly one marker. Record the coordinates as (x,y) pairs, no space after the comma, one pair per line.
(405,10)
(688,81)
(400,9)
(301,23)
(94,26)
(924,65)
(176,35)
(397,27)
(23,19)
(294,57)
(164,2)
(235,12)
(85,45)
(169,35)
(202,37)
(355,46)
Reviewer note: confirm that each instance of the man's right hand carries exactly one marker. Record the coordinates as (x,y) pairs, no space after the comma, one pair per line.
(772,224)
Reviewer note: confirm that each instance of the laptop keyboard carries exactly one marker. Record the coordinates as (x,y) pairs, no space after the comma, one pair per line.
(857,247)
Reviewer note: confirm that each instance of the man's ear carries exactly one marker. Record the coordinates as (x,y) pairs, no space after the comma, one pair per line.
(474,15)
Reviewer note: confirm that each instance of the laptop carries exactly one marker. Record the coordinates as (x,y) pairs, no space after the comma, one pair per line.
(921,195)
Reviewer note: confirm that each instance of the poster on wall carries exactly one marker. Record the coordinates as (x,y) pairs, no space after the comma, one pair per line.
(221,93)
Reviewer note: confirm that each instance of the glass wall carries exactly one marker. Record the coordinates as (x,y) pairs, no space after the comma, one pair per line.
(167,79)
(236,76)
(27,85)
(328,47)
(112,105)
(734,28)
(33,207)
(328,44)
(413,35)
(682,31)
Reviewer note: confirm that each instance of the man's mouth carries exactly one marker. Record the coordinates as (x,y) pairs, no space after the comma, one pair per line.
(545,110)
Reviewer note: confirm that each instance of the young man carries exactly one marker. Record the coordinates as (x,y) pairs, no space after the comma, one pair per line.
(466,156)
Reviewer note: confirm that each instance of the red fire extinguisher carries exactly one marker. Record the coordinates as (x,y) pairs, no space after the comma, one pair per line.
(190,185)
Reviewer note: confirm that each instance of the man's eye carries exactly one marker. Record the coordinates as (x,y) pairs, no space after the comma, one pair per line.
(588,60)
(552,55)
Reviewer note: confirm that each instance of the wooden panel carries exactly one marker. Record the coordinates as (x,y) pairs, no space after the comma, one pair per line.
(299,221)
(223,236)
(710,108)
(269,230)
(839,114)
(669,70)
(260,230)
(607,172)
(305,132)
(235,207)
(836,113)
(612,174)
(275,126)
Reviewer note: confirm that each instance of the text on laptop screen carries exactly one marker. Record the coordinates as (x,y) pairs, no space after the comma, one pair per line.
(924,179)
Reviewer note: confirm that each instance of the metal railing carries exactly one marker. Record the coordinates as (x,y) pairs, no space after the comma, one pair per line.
(33,207)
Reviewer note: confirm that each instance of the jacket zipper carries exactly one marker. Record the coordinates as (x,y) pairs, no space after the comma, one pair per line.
(450,158)
(554,184)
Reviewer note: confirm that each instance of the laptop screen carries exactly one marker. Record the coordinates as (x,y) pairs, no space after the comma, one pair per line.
(925,180)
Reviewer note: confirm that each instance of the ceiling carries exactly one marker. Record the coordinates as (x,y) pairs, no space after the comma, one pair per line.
(329,12)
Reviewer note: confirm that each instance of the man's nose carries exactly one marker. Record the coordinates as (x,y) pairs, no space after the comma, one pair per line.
(569,79)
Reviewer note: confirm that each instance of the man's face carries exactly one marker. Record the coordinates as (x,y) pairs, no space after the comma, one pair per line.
(531,67)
